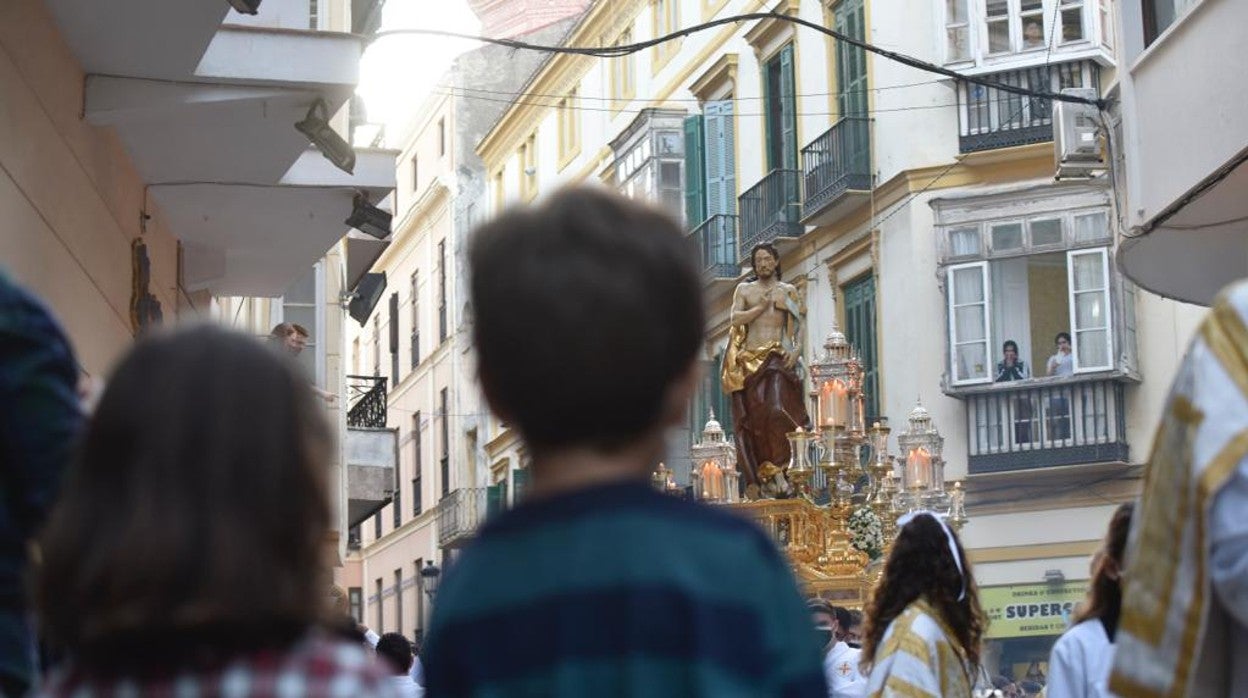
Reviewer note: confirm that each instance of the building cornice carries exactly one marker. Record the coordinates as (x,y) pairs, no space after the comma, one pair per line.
(425,520)
(721,73)
(433,200)
(767,31)
(519,120)
(557,76)
(901,187)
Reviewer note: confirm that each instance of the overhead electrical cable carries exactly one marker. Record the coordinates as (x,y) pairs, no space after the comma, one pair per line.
(628,49)
(556,105)
(692,100)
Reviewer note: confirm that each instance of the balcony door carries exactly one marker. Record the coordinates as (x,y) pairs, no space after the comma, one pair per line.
(851,61)
(851,86)
(781,112)
(859,298)
(721,159)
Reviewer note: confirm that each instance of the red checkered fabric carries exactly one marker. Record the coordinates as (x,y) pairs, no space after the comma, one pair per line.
(316,667)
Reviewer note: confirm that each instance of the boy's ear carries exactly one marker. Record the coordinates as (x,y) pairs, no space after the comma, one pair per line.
(679,393)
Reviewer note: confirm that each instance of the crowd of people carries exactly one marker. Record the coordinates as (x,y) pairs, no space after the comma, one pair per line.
(173,541)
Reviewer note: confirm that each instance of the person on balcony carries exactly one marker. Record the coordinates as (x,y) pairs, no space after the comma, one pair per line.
(1062,363)
(291,339)
(1010,367)
(763,374)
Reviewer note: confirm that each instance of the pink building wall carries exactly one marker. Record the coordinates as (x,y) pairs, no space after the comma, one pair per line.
(70,198)
(509,18)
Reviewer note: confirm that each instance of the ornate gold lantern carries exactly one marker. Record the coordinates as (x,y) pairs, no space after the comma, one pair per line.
(713,473)
(923,470)
(662,480)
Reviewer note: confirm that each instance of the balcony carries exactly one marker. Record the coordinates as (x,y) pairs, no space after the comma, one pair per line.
(771,210)
(371,449)
(716,239)
(836,170)
(1183,132)
(462,512)
(990,118)
(1045,423)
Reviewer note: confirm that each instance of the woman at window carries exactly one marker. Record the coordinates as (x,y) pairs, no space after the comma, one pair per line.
(1062,363)
(1081,659)
(924,625)
(1011,368)
(188,546)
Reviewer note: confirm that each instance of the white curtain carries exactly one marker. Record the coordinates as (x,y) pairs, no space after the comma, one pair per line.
(1011,309)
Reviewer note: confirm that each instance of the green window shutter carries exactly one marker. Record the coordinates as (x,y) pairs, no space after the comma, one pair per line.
(519,483)
(695,192)
(788,109)
(851,61)
(860,331)
(769,116)
(495,498)
(721,166)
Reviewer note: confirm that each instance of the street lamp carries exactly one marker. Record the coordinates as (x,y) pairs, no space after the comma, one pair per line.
(246,7)
(429,579)
(315,126)
(369,219)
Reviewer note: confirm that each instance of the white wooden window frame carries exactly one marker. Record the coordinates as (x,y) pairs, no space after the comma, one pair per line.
(1106,302)
(316,342)
(954,340)
(977,39)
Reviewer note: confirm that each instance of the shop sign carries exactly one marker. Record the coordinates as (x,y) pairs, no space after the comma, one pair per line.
(1030,610)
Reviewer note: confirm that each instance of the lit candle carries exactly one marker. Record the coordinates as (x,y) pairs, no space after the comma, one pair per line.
(842,403)
(833,403)
(919,468)
(827,405)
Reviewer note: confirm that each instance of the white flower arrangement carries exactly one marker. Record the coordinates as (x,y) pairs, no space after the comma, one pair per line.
(866,532)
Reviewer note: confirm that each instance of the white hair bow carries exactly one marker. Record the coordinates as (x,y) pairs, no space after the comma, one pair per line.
(953,546)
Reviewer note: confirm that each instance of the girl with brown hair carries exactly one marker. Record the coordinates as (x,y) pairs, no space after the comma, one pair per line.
(1081,659)
(924,624)
(186,554)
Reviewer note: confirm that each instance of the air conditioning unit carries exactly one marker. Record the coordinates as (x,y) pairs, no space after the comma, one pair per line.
(1076,141)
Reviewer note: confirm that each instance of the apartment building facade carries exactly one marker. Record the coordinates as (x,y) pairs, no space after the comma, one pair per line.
(416,345)
(918,214)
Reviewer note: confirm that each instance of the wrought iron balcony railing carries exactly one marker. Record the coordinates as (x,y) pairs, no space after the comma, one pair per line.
(717,242)
(771,209)
(366,396)
(992,118)
(462,512)
(837,161)
(1046,422)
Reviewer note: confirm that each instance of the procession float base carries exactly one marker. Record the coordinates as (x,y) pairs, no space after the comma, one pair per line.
(816,543)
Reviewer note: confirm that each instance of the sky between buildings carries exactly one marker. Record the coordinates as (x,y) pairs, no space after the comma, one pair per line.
(398,72)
